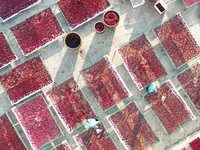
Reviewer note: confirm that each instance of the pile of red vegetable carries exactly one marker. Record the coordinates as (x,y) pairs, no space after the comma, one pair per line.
(190,2)
(141,61)
(70,104)
(90,140)
(25,79)
(172,111)
(37,122)
(131,126)
(9,139)
(6,54)
(77,12)
(105,83)
(195,145)
(37,31)
(190,81)
(10,8)
(177,40)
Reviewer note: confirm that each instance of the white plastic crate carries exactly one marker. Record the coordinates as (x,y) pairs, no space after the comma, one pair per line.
(160,6)
(136,3)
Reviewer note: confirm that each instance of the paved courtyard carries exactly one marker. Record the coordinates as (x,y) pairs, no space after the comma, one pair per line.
(62,63)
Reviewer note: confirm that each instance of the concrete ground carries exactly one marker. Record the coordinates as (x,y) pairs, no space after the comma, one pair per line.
(63,63)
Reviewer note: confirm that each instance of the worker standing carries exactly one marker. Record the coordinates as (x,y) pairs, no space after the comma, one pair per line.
(152,88)
(92,123)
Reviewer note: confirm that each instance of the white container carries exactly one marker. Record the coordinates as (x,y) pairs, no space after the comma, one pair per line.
(136,3)
(160,6)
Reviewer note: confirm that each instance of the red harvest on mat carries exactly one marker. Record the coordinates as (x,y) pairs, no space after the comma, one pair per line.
(177,40)
(169,107)
(105,83)
(6,54)
(37,122)
(111,18)
(195,145)
(10,8)
(90,140)
(63,146)
(37,31)
(9,139)
(132,128)
(77,12)
(26,79)
(190,2)
(190,81)
(70,104)
(141,61)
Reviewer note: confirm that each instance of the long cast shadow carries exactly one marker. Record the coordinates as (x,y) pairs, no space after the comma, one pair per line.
(137,128)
